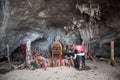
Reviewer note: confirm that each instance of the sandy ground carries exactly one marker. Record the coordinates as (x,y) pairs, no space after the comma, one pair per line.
(98,71)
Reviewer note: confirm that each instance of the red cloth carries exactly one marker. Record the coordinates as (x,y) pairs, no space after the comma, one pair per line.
(60,61)
(88,53)
(79,48)
(68,59)
(22,47)
(39,61)
(45,66)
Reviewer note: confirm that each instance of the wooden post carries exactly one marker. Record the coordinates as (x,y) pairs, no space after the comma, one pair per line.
(112,59)
(28,53)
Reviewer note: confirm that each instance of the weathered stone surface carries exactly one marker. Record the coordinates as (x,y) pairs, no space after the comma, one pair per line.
(42,20)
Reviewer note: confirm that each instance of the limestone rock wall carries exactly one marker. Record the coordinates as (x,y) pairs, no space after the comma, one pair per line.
(42,20)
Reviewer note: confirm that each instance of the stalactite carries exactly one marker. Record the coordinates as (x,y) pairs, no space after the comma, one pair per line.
(90,31)
(6,10)
(3,5)
(29,3)
(3,29)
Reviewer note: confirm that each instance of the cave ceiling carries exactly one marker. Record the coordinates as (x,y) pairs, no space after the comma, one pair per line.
(22,20)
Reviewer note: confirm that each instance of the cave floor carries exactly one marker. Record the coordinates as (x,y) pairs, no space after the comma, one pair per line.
(99,71)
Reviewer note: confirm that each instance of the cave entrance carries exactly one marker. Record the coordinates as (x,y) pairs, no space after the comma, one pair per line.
(42,45)
(18,55)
